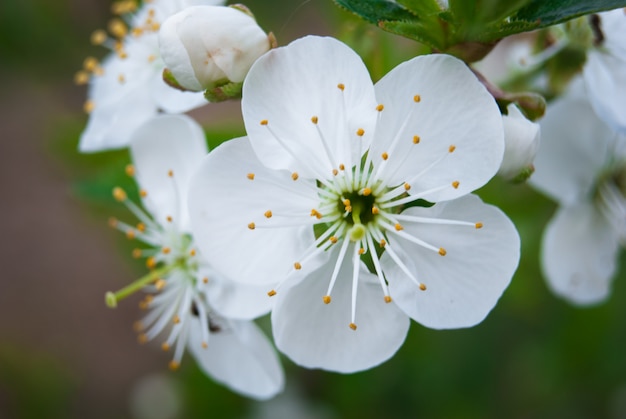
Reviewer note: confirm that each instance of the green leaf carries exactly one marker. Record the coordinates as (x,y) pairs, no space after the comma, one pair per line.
(375,11)
(550,12)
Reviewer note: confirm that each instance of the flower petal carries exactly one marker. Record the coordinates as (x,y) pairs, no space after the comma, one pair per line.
(316,335)
(465,284)
(439,100)
(579,254)
(229,200)
(605,77)
(240,357)
(167,143)
(574,148)
(287,87)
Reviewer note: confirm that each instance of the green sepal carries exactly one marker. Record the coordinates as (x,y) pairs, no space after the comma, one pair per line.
(223,92)
(523,175)
(171,81)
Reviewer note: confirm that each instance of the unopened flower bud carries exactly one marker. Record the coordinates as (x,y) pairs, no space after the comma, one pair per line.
(211,47)
(521,138)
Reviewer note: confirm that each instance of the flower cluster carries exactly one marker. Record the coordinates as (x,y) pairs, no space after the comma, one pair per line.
(349,207)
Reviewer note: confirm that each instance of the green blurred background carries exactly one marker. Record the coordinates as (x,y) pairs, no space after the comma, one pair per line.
(63,354)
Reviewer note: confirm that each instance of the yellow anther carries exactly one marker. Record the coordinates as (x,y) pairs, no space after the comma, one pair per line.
(143,193)
(130,234)
(271,293)
(360,132)
(385,156)
(442,251)
(137,253)
(407,186)
(160,284)
(205,280)
(169,218)
(251,226)
(478,225)
(423,287)
(122,54)
(455,184)
(192,252)
(155,27)
(380,107)
(142,338)
(383,243)
(150,262)
(375,210)
(314,119)
(342,167)
(297,266)
(268,214)
(387,299)
(112,222)
(205,345)
(176,319)
(335,172)
(151,58)
(346,202)
(81,77)
(166,250)
(90,64)
(138,326)
(417,98)
(451,148)
(250,176)
(295,176)
(121,79)
(98,37)
(341,86)
(264,122)
(398,227)
(89,106)
(352,326)
(416,139)
(130,170)
(361,251)
(165,346)
(367,191)
(151,13)
(118,28)
(170,173)
(326,299)
(333,239)
(173,365)
(137,32)
(141,227)
(315,213)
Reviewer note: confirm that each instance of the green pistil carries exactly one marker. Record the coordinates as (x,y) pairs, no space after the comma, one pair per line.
(358,230)
(112,298)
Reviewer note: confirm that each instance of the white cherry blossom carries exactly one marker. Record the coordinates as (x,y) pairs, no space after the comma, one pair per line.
(184,294)
(325,201)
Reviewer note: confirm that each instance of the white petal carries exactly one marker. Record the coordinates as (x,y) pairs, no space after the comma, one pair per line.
(223,201)
(167,143)
(465,284)
(290,85)
(454,109)
(579,254)
(316,335)
(574,148)
(240,357)
(605,77)
(174,101)
(235,300)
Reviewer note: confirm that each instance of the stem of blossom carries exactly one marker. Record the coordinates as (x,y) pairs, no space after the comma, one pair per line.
(111,298)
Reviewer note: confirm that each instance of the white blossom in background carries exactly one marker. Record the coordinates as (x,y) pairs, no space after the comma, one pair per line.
(521,142)
(582,165)
(127,88)
(329,177)
(605,70)
(209,46)
(184,294)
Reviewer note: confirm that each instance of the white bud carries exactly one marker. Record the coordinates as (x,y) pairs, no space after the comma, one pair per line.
(204,47)
(521,142)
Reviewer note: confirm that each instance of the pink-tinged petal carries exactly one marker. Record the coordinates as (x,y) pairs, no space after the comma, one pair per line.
(167,145)
(464,285)
(312,79)
(250,223)
(439,125)
(240,357)
(579,254)
(317,335)
(574,147)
